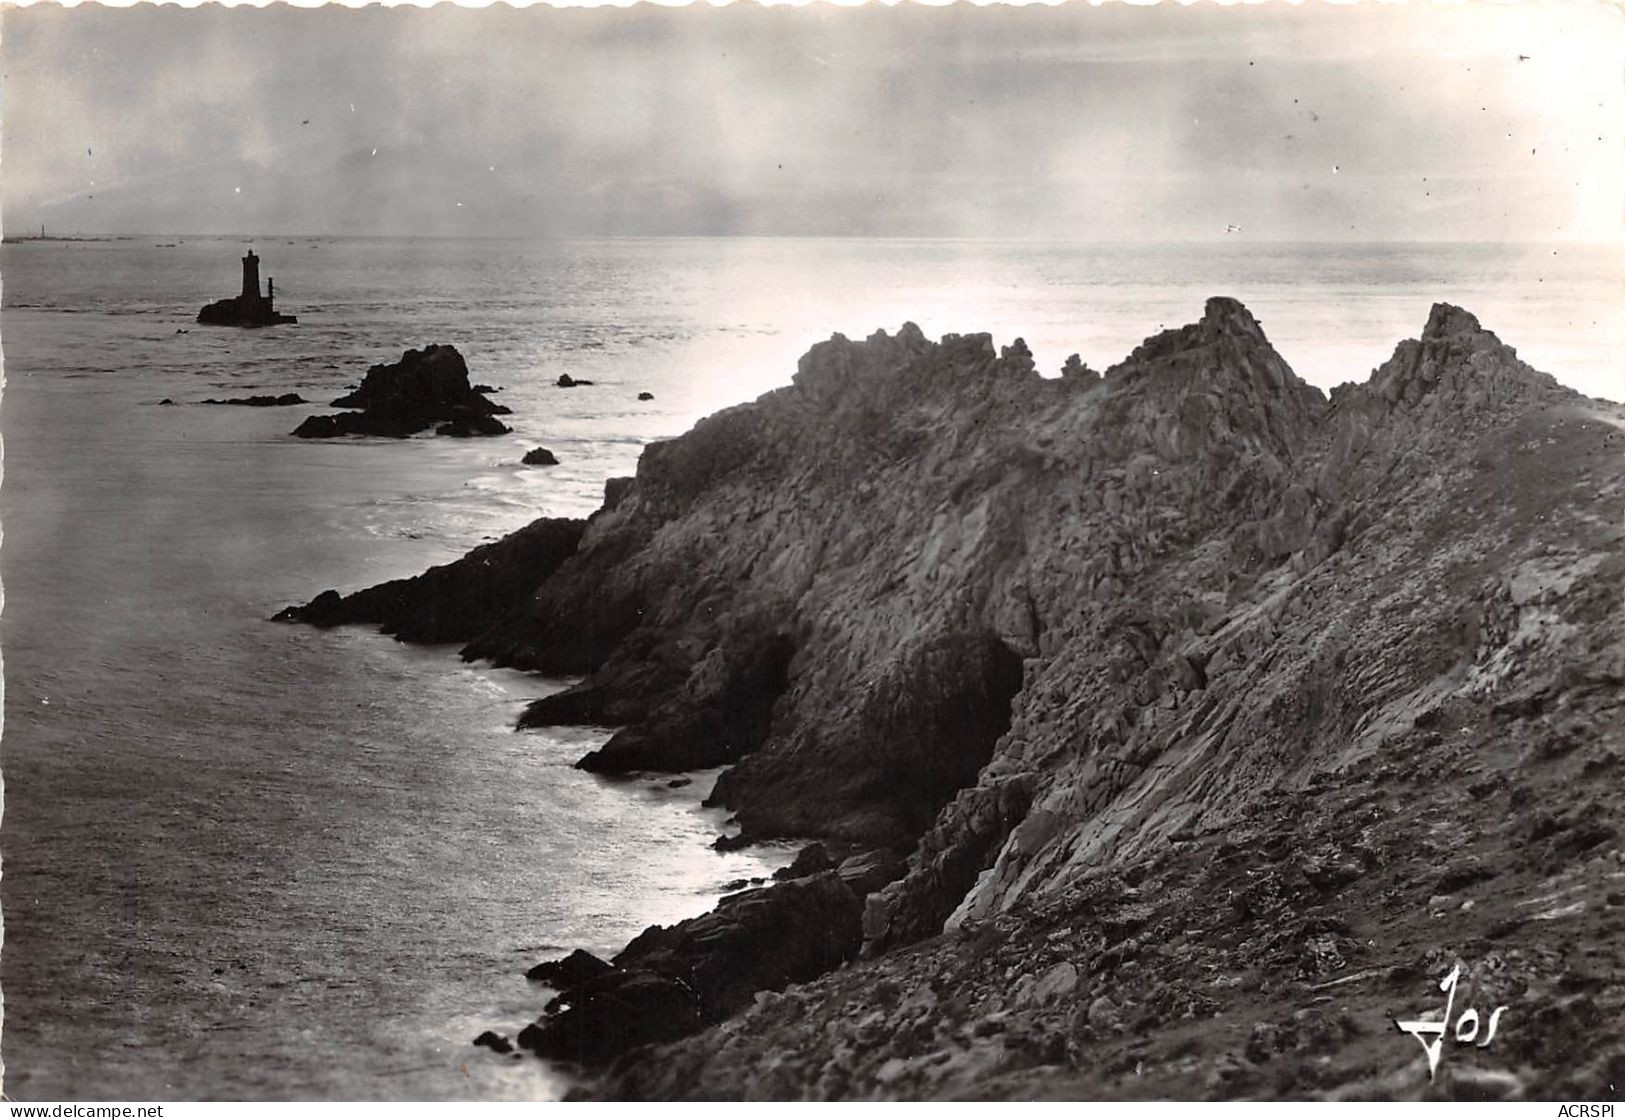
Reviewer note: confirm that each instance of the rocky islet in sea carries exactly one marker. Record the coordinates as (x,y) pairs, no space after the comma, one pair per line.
(427,388)
(1156,723)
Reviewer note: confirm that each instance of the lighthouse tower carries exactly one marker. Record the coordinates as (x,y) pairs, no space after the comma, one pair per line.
(251,276)
(249,309)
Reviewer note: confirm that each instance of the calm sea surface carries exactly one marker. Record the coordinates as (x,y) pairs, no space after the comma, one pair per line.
(244,860)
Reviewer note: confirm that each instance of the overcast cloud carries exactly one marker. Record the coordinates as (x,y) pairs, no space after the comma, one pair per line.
(1114,123)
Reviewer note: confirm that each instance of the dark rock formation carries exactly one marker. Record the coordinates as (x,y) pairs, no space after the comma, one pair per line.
(809,861)
(697,732)
(455,602)
(473,425)
(1075,371)
(867,872)
(426,388)
(339,424)
(240,312)
(431,382)
(917,734)
(496,1042)
(671,982)
(260,401)
(167,400)
(616,489)
(572,971)
(646,396)
(567,382)
(540,457)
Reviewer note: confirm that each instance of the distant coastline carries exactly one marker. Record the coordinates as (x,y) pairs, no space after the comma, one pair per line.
(54,237)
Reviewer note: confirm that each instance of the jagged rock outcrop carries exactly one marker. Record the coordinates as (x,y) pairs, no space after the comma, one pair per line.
(880,518)
(426,389)
(569,972)
(690,733)
(453,602)
(670,982)
(1076,370)
(540,457)
(809,861)
(1104,658)
(1341,727)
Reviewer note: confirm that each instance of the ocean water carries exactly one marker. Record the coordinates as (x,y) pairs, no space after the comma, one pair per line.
(244,860)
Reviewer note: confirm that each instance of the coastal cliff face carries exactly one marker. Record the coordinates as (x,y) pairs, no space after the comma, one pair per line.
(911,529)
(1184,689)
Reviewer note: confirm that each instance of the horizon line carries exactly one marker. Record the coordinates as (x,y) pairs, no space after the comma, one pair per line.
(20,237)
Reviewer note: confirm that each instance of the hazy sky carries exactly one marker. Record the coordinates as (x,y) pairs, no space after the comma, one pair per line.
(1109,123)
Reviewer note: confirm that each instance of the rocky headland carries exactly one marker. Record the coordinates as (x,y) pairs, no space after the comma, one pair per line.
(1174,729)
(427,388)
(453,602)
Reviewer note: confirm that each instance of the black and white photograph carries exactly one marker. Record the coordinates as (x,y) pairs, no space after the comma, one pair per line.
(813,552)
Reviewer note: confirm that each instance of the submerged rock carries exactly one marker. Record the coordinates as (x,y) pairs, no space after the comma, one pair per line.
(261,401)
(424,389)
(567,382)
(473,425)
(540,457)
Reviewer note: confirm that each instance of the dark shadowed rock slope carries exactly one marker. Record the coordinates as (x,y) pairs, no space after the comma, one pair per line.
(456,601)
(1193,695)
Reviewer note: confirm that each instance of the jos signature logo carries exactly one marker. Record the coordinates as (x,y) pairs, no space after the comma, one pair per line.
(1467,1024)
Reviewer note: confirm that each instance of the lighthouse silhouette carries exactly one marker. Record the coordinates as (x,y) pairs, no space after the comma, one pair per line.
(249,308)
(251,276)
